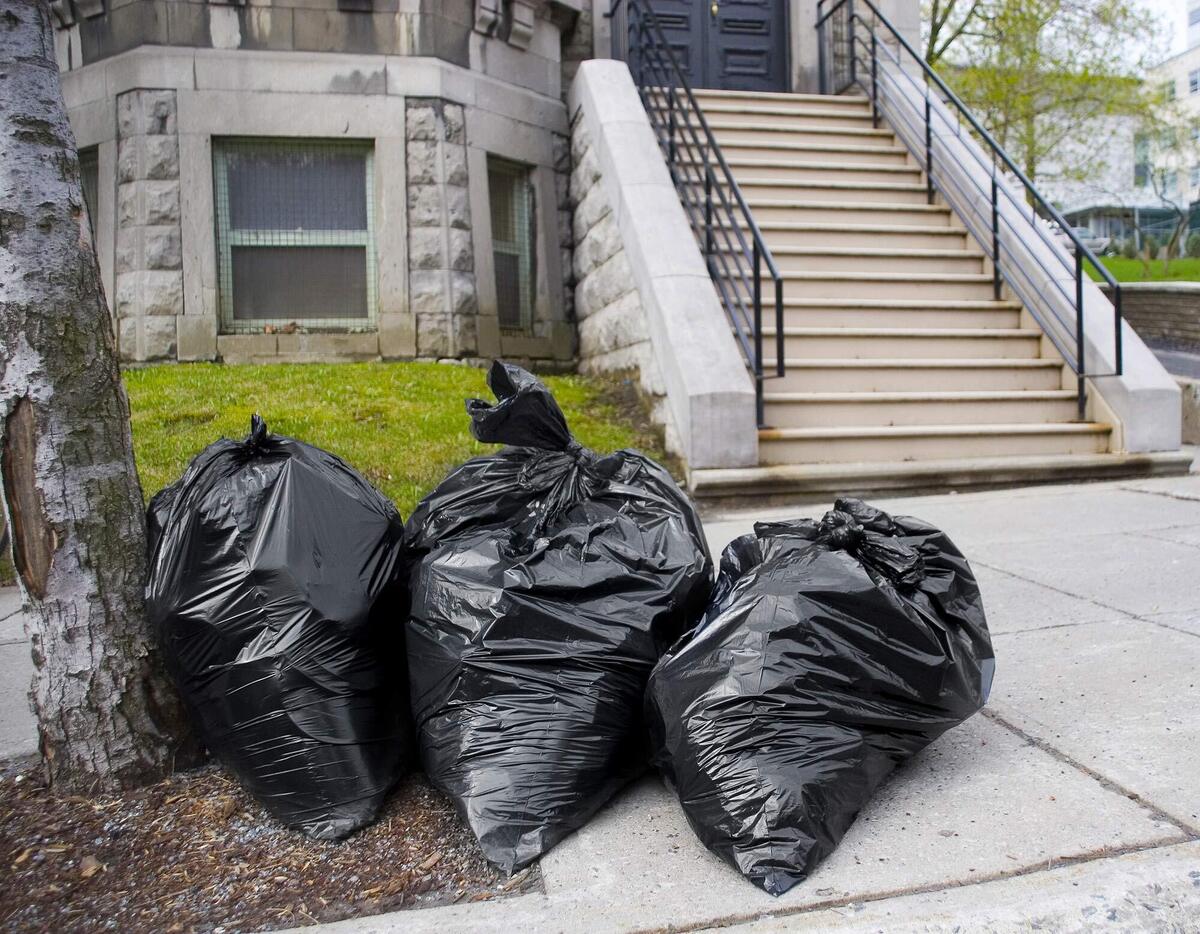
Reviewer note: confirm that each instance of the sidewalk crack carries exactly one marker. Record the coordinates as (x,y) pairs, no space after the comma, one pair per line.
(1192,833)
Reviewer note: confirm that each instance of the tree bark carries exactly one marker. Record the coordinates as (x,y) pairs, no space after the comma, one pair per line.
(107,716)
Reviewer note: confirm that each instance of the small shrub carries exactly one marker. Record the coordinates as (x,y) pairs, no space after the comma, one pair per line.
(1193,245)
(1129,248)
(1151,246)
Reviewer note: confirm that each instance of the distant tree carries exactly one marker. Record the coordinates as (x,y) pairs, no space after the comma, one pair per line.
(947,22)
(107,716)
(1042,73)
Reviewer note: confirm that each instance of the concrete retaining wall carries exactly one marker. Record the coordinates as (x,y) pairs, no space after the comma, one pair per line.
(1166,311)
(643,296)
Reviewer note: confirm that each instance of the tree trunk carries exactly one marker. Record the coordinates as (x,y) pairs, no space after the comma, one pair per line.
(106,715)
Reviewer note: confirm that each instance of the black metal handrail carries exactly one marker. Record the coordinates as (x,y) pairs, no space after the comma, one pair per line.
(734,249)
(849,50)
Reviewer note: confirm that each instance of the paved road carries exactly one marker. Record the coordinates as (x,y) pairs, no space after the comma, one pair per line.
(1070,804)
(1179,362)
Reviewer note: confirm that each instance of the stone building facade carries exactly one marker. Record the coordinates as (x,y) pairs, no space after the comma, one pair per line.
(201,123)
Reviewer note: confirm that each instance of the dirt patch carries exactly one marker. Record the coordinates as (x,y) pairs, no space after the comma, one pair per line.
(196,854)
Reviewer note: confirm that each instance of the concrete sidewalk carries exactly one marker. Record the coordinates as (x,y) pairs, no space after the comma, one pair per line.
(1072,803)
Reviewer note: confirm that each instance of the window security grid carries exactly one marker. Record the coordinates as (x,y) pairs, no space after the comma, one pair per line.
(1194,81)
(295,234)
(511,195)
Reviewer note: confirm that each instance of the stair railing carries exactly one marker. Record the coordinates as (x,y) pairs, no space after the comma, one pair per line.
(1011,222)
(734,249)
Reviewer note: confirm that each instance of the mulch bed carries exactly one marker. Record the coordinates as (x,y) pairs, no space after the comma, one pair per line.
(196,853)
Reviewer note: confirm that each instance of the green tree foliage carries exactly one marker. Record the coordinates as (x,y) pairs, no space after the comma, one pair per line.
(1042,74)
(1193,246)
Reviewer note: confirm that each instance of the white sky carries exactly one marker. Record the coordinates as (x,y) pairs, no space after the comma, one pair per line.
(1172,17)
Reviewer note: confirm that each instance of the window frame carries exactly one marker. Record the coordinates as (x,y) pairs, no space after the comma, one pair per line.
(228,237)
(1193,78)
(89,180)
(522,174)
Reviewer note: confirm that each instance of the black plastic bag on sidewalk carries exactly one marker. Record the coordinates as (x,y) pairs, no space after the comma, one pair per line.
(830,653)
(275,587)
(546,582)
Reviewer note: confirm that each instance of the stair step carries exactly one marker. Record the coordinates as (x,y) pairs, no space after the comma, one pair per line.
(797,210)
(900,193)
(721,123)
(816,151)
(965,407)
(928,442)
(877,260)
(885,285)
(854,374)
(808,170)
(865,479)
(813,343)
(738,113)
(779,234)
(822,100)
(884,313)
(880,285)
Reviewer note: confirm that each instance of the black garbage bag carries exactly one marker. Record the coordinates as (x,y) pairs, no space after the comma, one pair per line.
(275,587)
(831,652)
(546,581)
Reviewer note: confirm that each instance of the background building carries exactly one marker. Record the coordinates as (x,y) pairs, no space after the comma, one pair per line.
(328,179)
(349,179)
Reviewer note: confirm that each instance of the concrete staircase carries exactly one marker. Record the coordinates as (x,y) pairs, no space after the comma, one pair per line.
(902,369)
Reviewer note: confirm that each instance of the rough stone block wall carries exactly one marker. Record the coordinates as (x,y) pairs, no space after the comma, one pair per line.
(608,309)
(1167,313)
(441,259)
(148,283)
(565,214)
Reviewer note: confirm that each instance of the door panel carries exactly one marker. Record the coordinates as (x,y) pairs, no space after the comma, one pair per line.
(682,22)
(746,46)
(736,45)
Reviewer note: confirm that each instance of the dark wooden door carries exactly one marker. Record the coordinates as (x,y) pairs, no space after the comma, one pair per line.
(735,45)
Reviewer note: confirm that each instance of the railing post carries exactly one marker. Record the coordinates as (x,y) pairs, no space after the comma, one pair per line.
(760,406)
(995,236)
(928,147)
(708,210)
(874,79)
(1080,367)
(671,130)
(822,65)
(779,335)
(850,20)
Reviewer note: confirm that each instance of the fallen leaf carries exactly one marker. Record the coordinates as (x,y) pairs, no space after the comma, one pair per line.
(89,866)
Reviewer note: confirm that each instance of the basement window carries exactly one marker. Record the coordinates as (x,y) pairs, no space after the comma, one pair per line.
(89,178)
(510,191)
(295,234)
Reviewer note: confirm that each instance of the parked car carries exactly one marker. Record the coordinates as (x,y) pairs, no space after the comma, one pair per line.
(1101,246)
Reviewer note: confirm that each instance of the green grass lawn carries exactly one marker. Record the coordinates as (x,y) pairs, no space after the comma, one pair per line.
(402,425)
(1131,270)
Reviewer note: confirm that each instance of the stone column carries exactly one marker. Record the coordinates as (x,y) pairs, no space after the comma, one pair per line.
(566,210)
(148,259)
(441,260)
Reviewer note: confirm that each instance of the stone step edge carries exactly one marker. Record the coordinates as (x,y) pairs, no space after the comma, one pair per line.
(736,483)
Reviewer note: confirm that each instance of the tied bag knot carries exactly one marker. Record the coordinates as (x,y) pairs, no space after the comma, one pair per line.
(870,535)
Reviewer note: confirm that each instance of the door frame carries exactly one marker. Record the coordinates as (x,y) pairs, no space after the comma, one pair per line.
(617,24)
